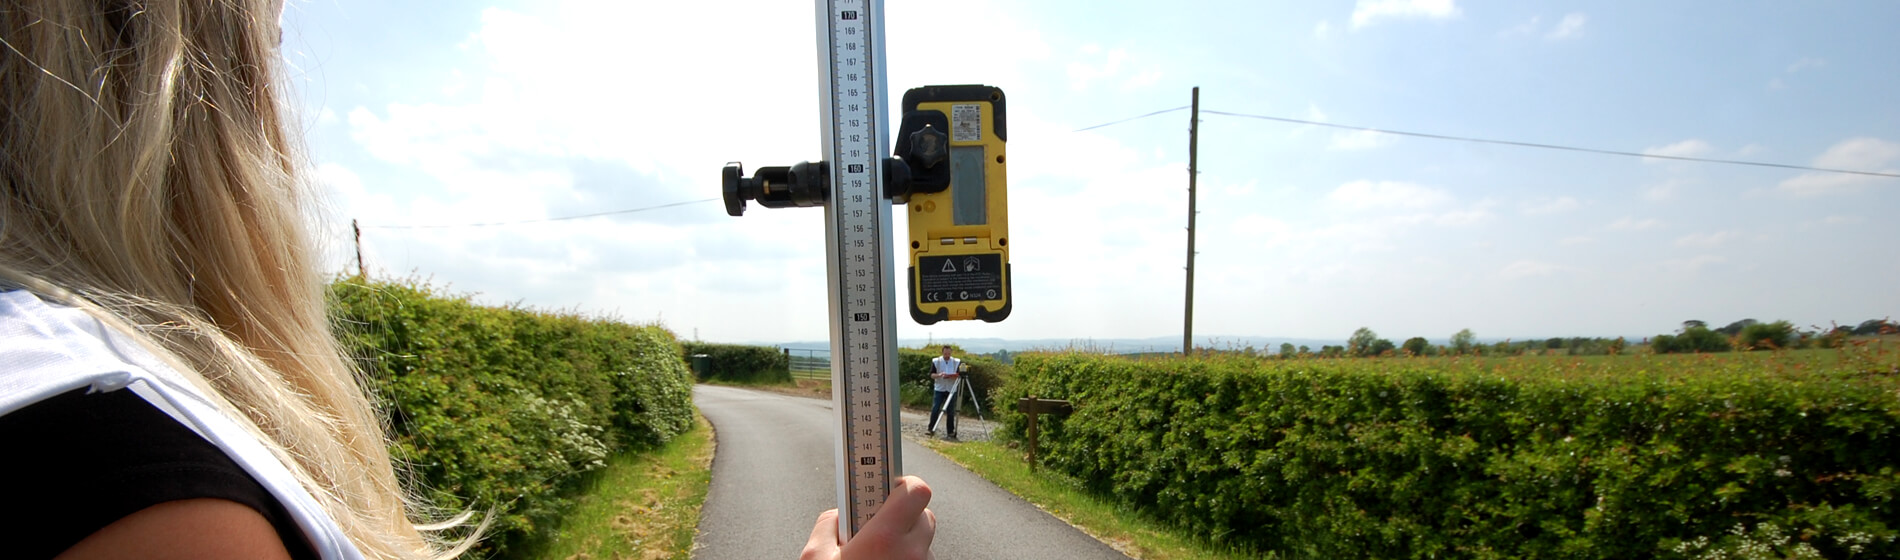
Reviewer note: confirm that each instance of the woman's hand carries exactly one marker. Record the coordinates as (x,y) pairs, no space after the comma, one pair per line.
(901,530)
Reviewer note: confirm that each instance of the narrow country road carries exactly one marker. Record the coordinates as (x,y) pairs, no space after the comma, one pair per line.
(772,475)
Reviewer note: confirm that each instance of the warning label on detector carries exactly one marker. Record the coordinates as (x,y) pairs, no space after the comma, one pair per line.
(959,278)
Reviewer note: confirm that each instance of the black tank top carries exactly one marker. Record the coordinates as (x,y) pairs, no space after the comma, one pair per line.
(77,462)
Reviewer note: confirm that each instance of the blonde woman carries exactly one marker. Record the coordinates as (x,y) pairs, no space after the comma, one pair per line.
(169,385)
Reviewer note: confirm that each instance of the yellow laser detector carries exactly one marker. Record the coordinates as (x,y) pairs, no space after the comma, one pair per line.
(951,141)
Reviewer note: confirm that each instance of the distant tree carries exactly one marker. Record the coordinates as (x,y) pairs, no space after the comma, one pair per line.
(1693,339)
(1463,342)
(1418,346)
(1872,327)
(1616,346)
(1361,341)
(1380,347)
(1554,343)
(1766,336)
(1735,328)
(1304,350)
(1331,351)
(1286,349)
(1694,324)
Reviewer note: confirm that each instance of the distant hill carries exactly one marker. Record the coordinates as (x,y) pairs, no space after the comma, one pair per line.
(1110,345)
(1264,344)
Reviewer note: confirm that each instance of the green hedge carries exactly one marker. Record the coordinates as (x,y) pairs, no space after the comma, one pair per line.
(1417,459)
(986,374)
(740,363)
(499,408)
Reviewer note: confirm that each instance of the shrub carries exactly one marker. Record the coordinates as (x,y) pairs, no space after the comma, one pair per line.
(741,363)
(503,407)
(1692,340)
(1766,336)
(1542,458)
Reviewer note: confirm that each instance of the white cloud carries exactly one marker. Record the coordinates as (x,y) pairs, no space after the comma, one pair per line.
(1323,29)
(1364,194)
(1367,11)
(1693,264)
(1313,113)
(1632,224)
(1665,190)
(1863,154)
(1477,213)
(1551,205)
(1529,269)
(1142,79)
(1686,148)
(1263,232)
(1856,154)
(1711,239)
(1523,29)
(1806,63)
(1360,140)
(1820,183)
(1570,27)
(1084,73)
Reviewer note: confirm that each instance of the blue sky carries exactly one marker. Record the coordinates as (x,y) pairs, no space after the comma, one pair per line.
(475,112)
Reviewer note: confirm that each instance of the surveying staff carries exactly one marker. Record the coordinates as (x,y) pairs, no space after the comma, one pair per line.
(945,380)
(169,383)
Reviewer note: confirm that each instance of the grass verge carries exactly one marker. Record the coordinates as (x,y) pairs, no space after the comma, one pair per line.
(641,505)
(1133,534)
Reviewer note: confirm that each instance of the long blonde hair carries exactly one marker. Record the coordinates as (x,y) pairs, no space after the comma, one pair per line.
(148,177)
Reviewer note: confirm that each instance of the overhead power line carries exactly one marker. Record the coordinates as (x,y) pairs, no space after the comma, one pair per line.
(593,215)
(1501,142)
(1161,112)
(1552,146)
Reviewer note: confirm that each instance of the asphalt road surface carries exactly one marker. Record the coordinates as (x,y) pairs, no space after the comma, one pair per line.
(772,475)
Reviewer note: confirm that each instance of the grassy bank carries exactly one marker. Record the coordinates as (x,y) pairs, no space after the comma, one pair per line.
(643,506)
(1136,535)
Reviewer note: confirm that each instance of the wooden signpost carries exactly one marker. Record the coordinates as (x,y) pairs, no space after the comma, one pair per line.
(1034,406)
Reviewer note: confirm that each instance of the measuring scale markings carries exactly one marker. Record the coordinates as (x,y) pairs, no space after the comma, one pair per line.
(859,216)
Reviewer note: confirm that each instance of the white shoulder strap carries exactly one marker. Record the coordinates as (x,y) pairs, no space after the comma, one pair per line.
(46,350)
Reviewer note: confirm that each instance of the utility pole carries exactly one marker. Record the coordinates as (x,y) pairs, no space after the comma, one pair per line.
(1194,133)
(359,248)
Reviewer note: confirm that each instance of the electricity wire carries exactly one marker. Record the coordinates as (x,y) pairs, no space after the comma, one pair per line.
(1161,112)
(1503,142)
(1553,146)
(593,215)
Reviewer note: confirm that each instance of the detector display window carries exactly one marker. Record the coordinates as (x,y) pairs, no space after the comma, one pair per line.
(969,192)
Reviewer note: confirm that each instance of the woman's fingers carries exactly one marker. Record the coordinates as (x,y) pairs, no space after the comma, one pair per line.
(902,529)
(901,511)
(823,544)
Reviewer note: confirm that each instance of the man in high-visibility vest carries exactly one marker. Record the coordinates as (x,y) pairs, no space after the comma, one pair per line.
(945,379)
